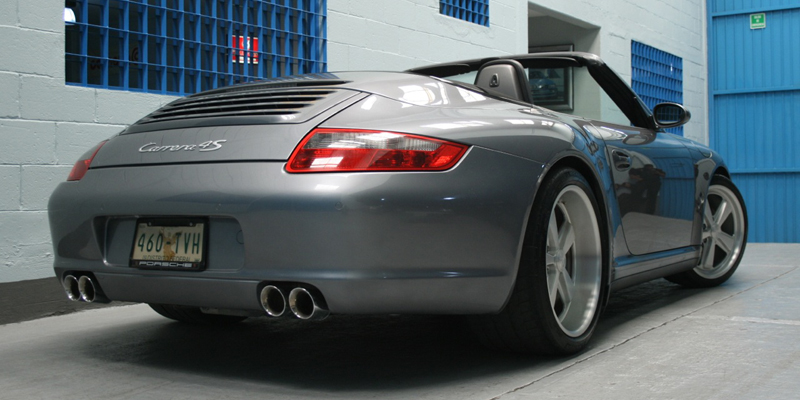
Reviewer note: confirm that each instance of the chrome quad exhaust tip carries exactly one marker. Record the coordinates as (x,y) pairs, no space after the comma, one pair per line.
(273,301)
(72,287)
(86,288)
(81,286)
(305,305)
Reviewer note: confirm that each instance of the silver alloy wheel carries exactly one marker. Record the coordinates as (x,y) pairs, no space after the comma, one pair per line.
(573,261)
(723,233)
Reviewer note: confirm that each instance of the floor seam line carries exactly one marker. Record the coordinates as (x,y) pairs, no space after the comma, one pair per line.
(498,397)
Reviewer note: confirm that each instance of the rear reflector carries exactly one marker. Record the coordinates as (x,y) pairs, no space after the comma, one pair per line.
(325,150)
(80,167)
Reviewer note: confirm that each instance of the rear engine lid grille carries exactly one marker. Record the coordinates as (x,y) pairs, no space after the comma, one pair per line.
(274,101)
(240,103)
(303,81)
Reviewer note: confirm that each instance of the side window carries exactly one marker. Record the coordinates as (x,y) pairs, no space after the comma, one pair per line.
(551,87)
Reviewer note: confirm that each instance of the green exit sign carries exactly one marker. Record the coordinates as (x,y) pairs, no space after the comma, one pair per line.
(758,21)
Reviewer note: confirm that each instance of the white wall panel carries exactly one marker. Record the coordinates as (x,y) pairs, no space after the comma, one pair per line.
(400,34)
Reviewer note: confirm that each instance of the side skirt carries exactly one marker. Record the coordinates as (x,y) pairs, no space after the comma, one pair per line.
(633,270)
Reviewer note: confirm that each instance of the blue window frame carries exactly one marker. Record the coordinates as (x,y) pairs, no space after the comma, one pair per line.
(475,11)
(186,46)
(656,76)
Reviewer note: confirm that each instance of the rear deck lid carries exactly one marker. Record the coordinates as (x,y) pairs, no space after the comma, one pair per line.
(254,122)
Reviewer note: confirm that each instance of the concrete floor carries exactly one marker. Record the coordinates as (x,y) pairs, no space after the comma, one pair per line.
(655,341)
(39,298)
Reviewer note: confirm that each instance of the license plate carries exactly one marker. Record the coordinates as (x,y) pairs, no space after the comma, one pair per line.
(170,244)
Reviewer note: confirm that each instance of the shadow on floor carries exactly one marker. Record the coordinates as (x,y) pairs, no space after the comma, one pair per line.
(342,352)
(39,298)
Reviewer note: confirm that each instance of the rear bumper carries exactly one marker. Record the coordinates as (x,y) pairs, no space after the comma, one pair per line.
(351,296)
(442,243)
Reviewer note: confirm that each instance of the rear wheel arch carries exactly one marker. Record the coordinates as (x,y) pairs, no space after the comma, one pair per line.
(561,279)
(583,167)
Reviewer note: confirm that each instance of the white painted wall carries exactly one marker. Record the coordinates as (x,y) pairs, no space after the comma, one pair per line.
(45,126)
(400,34)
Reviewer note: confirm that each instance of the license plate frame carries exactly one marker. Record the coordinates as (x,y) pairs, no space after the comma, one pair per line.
(149,250)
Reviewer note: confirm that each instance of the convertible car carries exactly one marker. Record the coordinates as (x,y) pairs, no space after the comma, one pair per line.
(443,189)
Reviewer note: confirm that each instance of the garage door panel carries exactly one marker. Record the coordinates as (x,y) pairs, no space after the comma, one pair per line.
(755,109)
(771,200)
(755,59)
(757,132)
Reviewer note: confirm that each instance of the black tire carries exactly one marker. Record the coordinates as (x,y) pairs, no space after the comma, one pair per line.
(193,315)
(724,237)
(538,317)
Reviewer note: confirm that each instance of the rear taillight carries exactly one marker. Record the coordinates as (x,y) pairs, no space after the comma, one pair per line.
(325,150)
(82,165)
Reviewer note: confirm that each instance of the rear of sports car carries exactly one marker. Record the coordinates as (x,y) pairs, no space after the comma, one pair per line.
(300,196)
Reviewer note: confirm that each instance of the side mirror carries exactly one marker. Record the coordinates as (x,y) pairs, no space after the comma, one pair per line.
(670,115)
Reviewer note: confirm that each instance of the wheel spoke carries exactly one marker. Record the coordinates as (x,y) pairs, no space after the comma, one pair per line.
(566,238)
(723,212)
(708,216)
(552,286)
(708,222)
(565,285)
(550,261)
(725,242)
(552,233)
(707,258)
(553,270)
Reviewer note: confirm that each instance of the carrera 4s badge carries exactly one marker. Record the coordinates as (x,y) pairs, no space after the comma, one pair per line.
(210,145)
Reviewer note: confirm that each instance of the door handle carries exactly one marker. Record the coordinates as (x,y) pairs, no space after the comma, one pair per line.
(621,159)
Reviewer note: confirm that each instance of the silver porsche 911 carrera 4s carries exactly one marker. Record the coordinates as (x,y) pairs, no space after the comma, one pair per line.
(454,188)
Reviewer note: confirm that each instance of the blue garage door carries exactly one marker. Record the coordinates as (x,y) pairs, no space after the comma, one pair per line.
(754,73)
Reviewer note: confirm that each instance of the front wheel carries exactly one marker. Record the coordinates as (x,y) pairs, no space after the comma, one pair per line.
(724,236)
(556,299)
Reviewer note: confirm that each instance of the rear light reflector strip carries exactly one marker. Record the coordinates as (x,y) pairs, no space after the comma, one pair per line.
(82,165)
(328,150)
